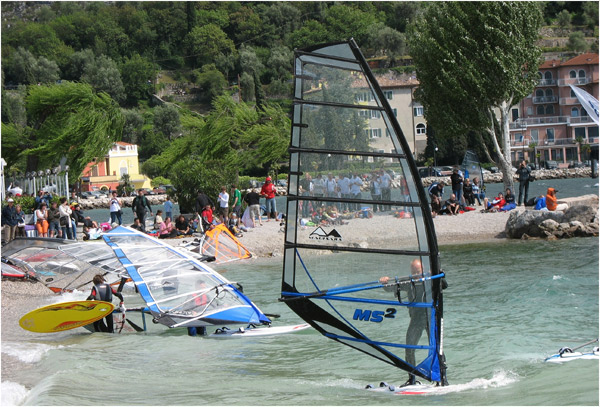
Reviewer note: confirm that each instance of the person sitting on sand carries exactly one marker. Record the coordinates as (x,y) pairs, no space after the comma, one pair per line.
(158,219)
(167,229)
(495,204)
(510,202)
(451,205)
(468,192)
(182,226)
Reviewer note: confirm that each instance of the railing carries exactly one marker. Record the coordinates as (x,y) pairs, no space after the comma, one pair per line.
(569,101)
(532,121)
(545,99)
(580,119)
(547,82)
(574,81)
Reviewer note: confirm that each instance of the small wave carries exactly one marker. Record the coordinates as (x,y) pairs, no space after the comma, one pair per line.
(13,393)
(556,277)
(27,352)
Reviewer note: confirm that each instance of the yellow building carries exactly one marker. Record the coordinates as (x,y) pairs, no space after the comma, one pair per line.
(106,173)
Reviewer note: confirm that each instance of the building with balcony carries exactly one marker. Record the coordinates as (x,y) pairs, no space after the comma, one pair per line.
(107,172)
(551,123)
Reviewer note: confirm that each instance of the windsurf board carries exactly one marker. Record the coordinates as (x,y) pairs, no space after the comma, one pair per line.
(253,332)
(568,356)
(64,316)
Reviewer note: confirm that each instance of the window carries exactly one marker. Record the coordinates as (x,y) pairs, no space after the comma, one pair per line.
(540,110)
(581,73)
(418,111)
(583,112)
(580,132)
(395,111)
(421,130)
(518,137)
(534,135)
(593,134)
(550,109)
(363,113)
(372,133)
(574,112)
(515,114)
(529,110)
(540,75)
(539,93)
(364,97)
(572,74)
(573,95)
(375,114)
(549,93)
(548,75)
(550,135)
(388,94)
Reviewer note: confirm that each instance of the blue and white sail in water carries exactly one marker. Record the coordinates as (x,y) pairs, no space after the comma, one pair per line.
(343,124)
(178,290)
(471,168)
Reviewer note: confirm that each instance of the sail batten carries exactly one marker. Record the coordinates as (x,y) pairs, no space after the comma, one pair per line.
(356,212)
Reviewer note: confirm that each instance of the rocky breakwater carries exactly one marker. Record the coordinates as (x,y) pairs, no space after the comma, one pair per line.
(103,202)
(561,173)
(579,220)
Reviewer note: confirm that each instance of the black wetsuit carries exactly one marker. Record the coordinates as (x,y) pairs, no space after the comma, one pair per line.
(104,292)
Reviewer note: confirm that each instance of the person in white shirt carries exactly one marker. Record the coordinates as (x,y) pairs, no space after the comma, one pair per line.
(386,188)
(344,187)
(331,186)
(355,184)
(224,205)
(318,186)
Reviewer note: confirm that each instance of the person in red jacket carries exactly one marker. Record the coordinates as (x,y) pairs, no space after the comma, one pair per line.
(268,191)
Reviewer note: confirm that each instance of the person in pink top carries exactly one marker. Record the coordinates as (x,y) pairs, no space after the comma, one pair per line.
(268,191)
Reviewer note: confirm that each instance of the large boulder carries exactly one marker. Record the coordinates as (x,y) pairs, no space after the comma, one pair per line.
(578,220)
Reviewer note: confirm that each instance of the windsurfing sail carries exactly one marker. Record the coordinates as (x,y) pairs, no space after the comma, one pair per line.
(219,243)
(61,265)
(178,290)
(589,103)
(342,125)
(471,168)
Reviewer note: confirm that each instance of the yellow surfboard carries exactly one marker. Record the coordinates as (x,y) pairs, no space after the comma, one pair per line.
(65,315)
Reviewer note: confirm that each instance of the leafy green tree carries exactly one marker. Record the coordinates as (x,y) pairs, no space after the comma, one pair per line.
(137,75)
(248,86)
(312,32)
(385,41)
(206,43)
(166,121)
(577,42)
(132,129)
(25,68)
(73,70)
(564,19)
(103,74)
(13,107)
(211,80)
(70,120)
(590,13)
(473,59)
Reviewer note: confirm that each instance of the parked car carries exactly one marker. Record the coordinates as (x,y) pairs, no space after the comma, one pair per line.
(86,195)
(576,164)
(282,183)
(550,165)
(148,191)
(445,171)
(169,189)
(429,172)
(159,190)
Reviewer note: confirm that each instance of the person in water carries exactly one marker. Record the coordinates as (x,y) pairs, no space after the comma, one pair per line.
(103,292)
(199,299)
(418,316)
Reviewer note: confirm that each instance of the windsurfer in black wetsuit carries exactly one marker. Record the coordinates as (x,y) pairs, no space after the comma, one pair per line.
(418,316)
(103,292)
(199,299)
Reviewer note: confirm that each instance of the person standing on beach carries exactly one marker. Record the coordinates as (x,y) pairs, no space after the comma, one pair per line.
(224,204)
(139,205)
(268,191)
(168,207)
(103,292)
(457,184)
(236,205)
(524,174)
(253,200)
(115,209)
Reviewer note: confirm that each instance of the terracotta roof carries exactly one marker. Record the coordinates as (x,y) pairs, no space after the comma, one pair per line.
(390,80)
(583,59)
(552,63)
(122,143)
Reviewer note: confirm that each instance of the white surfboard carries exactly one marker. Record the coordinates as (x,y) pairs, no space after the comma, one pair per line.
(417,389)
(254,332)
(568,356)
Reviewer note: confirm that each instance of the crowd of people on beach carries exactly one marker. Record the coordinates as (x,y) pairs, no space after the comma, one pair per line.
(59,218)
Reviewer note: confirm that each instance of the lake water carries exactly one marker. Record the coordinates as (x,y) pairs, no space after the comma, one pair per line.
(567,188)
(509,305)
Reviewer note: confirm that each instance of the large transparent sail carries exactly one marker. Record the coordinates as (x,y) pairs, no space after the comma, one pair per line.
(179,290)
(357,212)
(471,168)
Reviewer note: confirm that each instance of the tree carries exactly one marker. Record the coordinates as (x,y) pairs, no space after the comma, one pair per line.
(564,19)
(103,74)
(70,120)
(211,80)
(137,75)
(577,42)
(132,129)
(473,58)
(25,68)
(206,43)
(166,121)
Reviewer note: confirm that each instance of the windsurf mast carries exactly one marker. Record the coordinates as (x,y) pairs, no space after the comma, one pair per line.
(352,177)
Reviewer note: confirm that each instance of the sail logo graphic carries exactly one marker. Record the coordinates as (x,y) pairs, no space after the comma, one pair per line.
(320,234)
